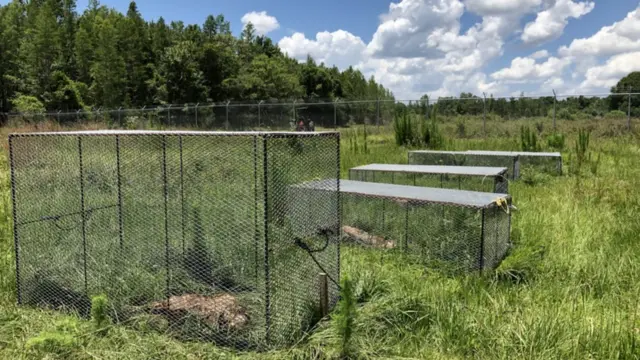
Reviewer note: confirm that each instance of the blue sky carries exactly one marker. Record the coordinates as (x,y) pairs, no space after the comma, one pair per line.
(442,47)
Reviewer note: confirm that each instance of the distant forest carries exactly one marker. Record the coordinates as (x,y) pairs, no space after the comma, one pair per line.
(53,58)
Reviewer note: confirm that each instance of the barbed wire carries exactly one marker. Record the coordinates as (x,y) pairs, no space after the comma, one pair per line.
(300,104)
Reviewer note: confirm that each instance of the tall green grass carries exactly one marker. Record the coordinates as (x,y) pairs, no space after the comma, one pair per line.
(568,290)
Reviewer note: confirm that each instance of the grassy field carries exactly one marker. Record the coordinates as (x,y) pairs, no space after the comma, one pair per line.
(568,290)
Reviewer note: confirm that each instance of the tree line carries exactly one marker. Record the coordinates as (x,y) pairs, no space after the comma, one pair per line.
(53,58)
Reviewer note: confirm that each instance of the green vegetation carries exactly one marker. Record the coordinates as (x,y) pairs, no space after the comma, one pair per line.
(567,290)
(54,58)
(529,139)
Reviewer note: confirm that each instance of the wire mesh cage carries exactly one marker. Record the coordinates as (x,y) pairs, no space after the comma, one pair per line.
(449,230)
(197,232)
(515,161)
(548,162)
(465,158)
(475,178)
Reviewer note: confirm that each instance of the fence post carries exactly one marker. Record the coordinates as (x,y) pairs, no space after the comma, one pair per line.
(226,121)
(555,100)
(295,118)
(629,111)
(58,115)
(378,112)
(484,113)
(324,294)
(78,115)
(169,115)
(197,114)
(427,115)
(259,114)
(119,116)
(335,113)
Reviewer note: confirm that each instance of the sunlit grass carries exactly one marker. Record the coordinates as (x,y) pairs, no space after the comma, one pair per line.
(568,290)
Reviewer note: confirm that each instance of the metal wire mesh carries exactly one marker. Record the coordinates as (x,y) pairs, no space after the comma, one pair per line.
(450,177)
(517,162)
(450,230)
(198,233)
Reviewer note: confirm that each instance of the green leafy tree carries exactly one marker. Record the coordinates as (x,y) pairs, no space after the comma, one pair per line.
(11,27)
(108,71)
(179,79)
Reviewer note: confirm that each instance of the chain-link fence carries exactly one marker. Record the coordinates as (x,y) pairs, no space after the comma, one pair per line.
(449,230)
(467,115)
(475,178)
(195,233)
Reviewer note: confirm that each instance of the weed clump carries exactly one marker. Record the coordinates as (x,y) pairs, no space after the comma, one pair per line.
(53,343)
(345,317)
(99,310)
(529,140)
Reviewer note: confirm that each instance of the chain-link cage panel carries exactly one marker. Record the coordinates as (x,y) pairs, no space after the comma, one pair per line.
(449,230)
(481,179)
(200,233)
(467,158)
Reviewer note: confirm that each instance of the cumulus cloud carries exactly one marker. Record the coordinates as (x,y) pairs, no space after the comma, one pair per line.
(340,48)
(541,54)
(416,28)
(550,23)
(622,36)
(608,74)
(526,69)
(263,22)
(501,7)
(419,46)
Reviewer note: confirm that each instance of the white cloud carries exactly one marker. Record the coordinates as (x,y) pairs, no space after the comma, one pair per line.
(340,48)
(550,23)
(541,54)
(419,47)
(527,70)
(622,36)
(501,7)
(416,28)
(263,22)
(608,74)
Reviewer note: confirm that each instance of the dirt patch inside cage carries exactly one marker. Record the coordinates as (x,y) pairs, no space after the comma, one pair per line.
(219,311)
(363,237)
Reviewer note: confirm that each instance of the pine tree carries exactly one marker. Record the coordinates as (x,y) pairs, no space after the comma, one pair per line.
(108,70)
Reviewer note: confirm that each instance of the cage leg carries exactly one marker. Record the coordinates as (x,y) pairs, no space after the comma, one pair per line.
(482,231)
(267,286)
(16,241)
(406,228)
(166,215)
(182,208)
(84,218)
(255,204)
(119,181)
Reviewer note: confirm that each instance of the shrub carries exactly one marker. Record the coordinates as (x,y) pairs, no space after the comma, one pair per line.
(528,140)
(461,129)
(616,114)
(403,128)
(345,316)
(99,310)
(565,114)
(581,148)
(556,141)
(27,104)
(53,343)
(430,135)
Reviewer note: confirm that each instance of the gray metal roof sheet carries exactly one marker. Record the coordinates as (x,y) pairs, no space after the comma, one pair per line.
(411,193)
(435,169)
(514,153)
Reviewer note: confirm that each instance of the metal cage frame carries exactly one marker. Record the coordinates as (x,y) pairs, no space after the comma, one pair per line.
(296,149)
